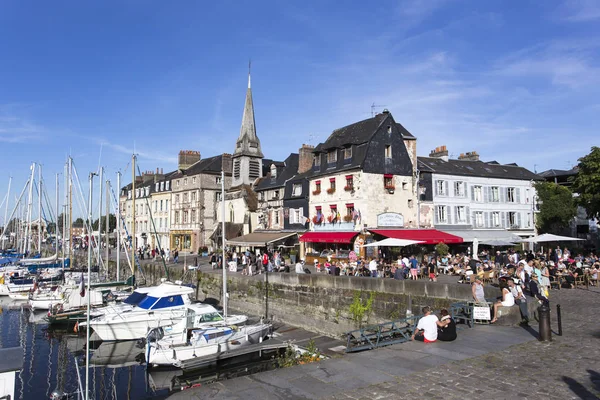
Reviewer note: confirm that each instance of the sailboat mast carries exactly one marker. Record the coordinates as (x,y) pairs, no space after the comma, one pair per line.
(99,241)
(39,243)
(106,239)
(27,240)
(133,213)
(56,223)
(118,226)
(223,243)
(89,273)
(6,212)
(70,183)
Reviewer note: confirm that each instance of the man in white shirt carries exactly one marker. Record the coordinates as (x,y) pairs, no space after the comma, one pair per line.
(427,328)
(406,262)
(373,268)
(520,300)
(300,267)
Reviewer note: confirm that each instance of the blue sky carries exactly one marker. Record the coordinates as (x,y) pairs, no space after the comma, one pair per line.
(517,81)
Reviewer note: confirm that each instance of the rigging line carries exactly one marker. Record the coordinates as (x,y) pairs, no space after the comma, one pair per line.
(90,230)
(136,261)
(156,233)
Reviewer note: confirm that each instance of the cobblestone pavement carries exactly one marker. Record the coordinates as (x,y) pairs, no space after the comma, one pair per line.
(566,368)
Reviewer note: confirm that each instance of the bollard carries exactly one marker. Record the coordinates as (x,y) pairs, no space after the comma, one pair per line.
(544,317)
(559,320)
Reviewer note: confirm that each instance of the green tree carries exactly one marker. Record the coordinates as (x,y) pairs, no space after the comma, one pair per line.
(557,207)
(587,183)
(112,223)
(79,221)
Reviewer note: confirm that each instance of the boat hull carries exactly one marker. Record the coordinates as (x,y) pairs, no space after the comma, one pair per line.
(162,354)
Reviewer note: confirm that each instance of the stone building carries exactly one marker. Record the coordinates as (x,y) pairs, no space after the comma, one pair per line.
(196,190)
(361,171)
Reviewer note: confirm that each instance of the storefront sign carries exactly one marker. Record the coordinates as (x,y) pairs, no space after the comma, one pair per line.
(390,219)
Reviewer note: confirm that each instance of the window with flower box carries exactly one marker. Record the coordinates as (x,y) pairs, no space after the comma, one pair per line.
(349,183)
(331,189)
(317,188)
(350,212)
(388,181)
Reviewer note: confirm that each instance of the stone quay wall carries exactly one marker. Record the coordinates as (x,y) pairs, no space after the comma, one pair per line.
(330,305)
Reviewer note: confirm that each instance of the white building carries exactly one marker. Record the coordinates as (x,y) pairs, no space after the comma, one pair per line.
(475,199)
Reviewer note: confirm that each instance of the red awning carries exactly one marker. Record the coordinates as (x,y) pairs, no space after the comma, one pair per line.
(427,236)
(328,237)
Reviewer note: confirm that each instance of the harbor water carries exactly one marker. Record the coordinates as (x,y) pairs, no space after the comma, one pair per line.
(117,369)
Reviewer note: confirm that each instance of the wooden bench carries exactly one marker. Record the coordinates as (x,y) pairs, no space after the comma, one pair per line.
(555,281)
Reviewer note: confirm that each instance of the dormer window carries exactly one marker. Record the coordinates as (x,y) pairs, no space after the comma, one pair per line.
(389,129)
(332,157)
(347,153)
(317,160)
(273,171)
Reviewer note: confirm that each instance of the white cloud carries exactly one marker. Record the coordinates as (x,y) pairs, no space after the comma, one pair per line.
(15,128)
(580,10)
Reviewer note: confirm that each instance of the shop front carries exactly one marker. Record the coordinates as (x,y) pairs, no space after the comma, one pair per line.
(182,240)
(332,246)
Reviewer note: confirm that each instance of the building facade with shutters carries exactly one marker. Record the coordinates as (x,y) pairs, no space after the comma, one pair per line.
(469,194)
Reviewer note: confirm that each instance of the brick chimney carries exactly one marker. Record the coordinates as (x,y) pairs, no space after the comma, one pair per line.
(227,163)
(305,158)
(187,158)
(469,156)
(440,152)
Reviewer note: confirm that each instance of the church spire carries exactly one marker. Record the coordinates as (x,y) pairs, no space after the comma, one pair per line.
(248,143)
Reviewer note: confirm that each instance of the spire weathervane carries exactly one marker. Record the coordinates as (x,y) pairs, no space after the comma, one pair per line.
(249,70)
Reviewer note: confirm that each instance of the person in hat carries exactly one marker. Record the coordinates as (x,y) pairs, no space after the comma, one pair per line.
(534,290)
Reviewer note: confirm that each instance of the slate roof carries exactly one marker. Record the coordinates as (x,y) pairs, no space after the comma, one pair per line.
(285,170)
(405,133)
(475,168)
(208,165)
(356,133)
(551,173)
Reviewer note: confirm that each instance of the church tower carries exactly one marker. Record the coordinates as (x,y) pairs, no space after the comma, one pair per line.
(247,157)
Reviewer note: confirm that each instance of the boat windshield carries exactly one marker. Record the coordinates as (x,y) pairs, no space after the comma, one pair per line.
(135,298)
(211,317)
(155,303)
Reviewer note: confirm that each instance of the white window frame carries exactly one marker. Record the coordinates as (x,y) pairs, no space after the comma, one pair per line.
(297,189)
(511,195)
(479,219)
(459,189)
(388,151)
(442,211)
(496,223)
(494,194)
(478,193)
(440,188)
(461,214)
(332,157)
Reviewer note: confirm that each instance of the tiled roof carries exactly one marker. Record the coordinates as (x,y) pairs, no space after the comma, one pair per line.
(475,168)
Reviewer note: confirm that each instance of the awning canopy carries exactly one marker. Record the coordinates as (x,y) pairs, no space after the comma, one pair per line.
(328,237)
(427,236)
(393,242)
(548,237)
(484,235)
(259,238)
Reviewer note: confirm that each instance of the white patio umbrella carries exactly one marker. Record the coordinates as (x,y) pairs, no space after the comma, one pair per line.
(392,242)
(548,237)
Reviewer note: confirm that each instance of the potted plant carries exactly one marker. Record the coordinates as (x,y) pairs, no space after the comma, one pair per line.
(348,188)
(348,218)
(316,192)
(331,191)
(316,220)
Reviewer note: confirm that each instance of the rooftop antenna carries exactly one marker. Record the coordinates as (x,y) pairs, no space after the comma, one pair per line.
(374,106)
(535,168)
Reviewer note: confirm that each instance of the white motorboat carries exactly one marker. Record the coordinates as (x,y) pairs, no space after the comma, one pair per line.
(128,304)
(205,342)
(164,305)
(45,299)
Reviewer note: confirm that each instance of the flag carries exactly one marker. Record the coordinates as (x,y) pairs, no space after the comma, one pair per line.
(82,286)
